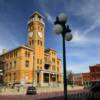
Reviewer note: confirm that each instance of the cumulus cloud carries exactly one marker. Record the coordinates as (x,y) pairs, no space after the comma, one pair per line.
(81,39)
(49,17)
(89,11)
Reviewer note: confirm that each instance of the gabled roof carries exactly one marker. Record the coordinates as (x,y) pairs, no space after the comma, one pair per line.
(97,65)
(36,13)
(48,49)
(22,46)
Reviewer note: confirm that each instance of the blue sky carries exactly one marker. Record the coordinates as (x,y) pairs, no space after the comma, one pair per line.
(83,18)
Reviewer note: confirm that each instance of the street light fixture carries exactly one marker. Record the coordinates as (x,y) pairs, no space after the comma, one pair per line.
(61,28)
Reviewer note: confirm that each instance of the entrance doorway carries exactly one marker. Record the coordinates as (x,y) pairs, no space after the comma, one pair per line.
(38,80)
(46,77)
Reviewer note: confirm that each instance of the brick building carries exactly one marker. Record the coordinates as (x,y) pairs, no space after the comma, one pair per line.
(86,79)
(77,79)
(95,74)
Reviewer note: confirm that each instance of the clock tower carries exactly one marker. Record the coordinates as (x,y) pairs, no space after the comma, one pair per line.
(36,42)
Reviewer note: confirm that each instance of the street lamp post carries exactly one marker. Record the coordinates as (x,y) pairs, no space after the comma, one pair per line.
(61,28)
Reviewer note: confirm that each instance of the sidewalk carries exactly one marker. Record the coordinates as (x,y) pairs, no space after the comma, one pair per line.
(9,91)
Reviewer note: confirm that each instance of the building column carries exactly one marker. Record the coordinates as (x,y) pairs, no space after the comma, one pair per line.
(49,80)
(34,78)
(56,78)
(41,78)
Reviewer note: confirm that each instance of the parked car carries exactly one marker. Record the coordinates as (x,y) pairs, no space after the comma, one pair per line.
(94,93)
(31,90)
(95,89)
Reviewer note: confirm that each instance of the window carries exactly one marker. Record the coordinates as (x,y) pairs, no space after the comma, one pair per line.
(32,41)
(38,67)
(41,28)
(14,64)
(9,77)
(53,60)
(6,66)
(58,62)
(14,76)
(41,43)
(16,53)
(37,61)
(41,68)
(58,69)
(38,42)
(10,65)
(27,63)
(6,75)
(27,54)
(41,61)
(53,68)
(98,70)
(46,67)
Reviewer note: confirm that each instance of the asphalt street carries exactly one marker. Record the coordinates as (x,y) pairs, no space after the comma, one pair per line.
(77,95)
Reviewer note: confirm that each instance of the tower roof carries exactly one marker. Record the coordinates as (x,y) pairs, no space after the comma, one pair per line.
(36,13)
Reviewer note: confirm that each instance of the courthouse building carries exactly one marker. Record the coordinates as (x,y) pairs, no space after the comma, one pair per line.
(32,63)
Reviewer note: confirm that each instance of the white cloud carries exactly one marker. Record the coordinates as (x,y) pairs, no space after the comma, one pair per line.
(90,29)
(81,39)
(78,38)
(49,17)
(89,10)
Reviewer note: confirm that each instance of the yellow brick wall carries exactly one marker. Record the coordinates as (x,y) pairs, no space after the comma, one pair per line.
(20,69)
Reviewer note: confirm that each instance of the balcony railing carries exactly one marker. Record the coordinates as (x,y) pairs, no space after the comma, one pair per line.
(32,20)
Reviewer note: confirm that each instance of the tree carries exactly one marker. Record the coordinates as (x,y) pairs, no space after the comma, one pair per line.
(70,78)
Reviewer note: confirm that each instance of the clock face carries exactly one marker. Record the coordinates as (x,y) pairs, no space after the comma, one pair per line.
(30,34)
(40,34)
